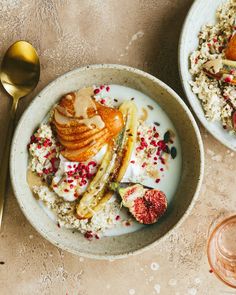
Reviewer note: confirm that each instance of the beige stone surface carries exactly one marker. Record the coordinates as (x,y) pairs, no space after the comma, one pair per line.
(139,33)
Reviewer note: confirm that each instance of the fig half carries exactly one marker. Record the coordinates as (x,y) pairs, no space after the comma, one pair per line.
(146,205)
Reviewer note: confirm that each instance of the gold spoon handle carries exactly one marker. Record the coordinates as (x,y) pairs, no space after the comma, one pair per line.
(4,168)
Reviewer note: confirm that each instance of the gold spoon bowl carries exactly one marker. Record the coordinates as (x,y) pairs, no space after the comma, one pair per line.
(19,75)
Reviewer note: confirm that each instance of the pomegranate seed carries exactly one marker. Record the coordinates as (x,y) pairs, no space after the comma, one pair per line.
(163,161)
(71,186)
(144,165)
(102,87)
(103,101)
(96,91)
(107,88)
(132,162)
(153,142)
(76,195)
(88,235)
(92,163)
(118,217)
(161,169)
(228,79)
(157,180)
(66,190)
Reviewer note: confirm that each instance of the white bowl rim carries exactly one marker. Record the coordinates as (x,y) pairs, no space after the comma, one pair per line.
(197,133)
(189,92)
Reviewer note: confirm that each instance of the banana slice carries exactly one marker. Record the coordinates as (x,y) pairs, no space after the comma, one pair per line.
(113,166)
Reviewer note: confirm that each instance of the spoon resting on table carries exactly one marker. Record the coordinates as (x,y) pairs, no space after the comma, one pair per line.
(19,75)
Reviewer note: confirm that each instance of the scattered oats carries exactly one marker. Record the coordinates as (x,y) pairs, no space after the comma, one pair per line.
(210,152)
(108,286)
(131,291)
(177,293)
(197,281)
(217,158)
(192,291)
(172,282)
(151,278)
(157,288)
(81,259)
(111,260)
(232,154)
(155,266)
(80,273)
(31,237)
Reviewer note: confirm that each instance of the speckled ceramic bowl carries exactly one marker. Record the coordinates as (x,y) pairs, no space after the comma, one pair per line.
(192,153)
(202,12)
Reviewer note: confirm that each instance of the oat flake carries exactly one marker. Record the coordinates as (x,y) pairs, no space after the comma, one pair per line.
(157,288)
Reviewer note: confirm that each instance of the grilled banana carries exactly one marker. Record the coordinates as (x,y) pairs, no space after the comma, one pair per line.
(113,166)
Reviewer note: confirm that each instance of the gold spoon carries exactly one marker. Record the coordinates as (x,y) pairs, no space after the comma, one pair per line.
(19,75)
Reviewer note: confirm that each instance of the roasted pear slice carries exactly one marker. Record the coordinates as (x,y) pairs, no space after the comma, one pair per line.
(77,144)
(75,130)
(230,51)
(118,157)
(79,136)
(85,153)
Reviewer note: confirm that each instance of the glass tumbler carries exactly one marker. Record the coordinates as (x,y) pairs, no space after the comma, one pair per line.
(221,251)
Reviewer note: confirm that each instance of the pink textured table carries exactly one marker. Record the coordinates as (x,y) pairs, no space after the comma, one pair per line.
(143,34)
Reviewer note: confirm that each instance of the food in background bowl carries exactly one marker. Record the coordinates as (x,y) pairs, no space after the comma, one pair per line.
(92,142)
(213,67)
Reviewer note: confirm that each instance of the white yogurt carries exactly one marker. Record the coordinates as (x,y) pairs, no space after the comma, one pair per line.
(169,178)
